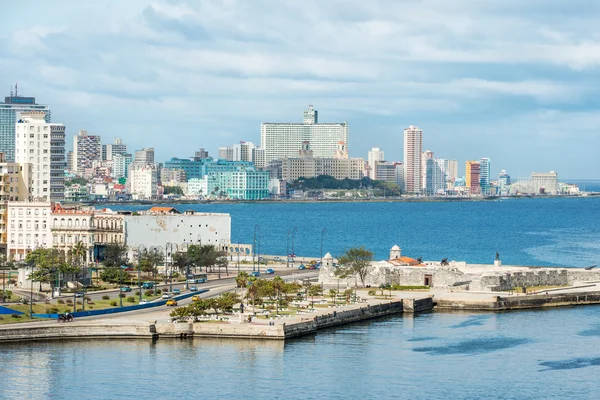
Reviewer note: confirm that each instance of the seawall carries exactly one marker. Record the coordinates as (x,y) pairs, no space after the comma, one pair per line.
(502,303)
(72,331)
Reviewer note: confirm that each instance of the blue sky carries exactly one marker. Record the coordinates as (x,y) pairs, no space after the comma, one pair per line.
(515,81)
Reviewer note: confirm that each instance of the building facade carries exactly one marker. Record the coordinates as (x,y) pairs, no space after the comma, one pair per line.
(70,226)
(120,165)
(375,155)
(307,166)
(143,182)
(437,176)
(241,184)
(472,177)
(34,145)
(15,182)
(544,182)
(28,228)
(144,156)
(413,147)
(281,140)
(484,177)
(86,149)
(10,110)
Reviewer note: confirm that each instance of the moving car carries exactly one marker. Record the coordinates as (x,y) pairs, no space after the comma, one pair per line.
(79,294)
(301,267)
(255,273)
(270,271)
(166,296)
(171,302)
(125,289)
(148,285)
(195,298)
(176,291)
(193,289)
(143,301)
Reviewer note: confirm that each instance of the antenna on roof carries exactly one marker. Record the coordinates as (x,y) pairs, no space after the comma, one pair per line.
(17,89)
(11,92)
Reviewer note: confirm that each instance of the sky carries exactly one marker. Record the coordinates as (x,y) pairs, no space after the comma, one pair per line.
(512,80)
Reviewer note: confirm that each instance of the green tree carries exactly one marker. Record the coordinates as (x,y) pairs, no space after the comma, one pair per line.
(181,261)
(314,290)
(242,279)
(227,300)
(332,294)
(173,190)
(355,262)
(115,255)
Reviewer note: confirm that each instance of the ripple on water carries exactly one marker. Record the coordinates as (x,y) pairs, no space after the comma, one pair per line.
(573,363)
(595,331)
(421,339)
(474,346)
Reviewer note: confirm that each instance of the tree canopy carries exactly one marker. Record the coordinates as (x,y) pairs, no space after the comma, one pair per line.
(355,262)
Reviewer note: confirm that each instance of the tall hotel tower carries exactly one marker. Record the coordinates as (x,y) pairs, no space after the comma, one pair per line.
(413,148)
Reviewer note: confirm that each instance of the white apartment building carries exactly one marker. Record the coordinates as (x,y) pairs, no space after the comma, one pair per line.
(143,181)
(544,182)
(39,143)
(413,147)
(198,186)
(28,228)
(281,140)
(452,170)
(374,156)
(436,175)
(226,153)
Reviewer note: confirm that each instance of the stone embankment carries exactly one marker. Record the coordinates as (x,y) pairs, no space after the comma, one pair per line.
(532,301)
(283,329)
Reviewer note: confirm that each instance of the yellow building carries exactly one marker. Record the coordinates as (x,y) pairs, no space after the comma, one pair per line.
(15,184)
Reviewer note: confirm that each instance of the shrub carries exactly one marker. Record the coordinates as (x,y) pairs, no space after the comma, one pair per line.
(149,293)
(106,297)
(87,298)
(122,295)
(61,301)
(1,317)
(371,292)
(24,301)
(113,303)
(78,302)
(90,307)
(158,291)
(69,301)
(138,293)
(15,315)
(54,310)
(131,299)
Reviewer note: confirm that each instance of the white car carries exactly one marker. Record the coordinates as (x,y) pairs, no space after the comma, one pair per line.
(166,296)
(143,301)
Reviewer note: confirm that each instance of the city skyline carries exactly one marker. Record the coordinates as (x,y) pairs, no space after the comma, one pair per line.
(525,101)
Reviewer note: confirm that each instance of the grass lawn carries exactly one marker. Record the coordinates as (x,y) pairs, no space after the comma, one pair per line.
(7,319)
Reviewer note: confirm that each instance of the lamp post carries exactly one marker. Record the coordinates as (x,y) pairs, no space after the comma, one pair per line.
(30,287)
(140,251)
(155,250)
(184,248)
(259,233)
(256,227)
(322,233)
(287,250)
(293,240)
(169,253)
(238,258)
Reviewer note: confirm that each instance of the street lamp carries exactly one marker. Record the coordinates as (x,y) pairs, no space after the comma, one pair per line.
(293,240)
(140,251)
(155,250)
(184,248)
(169,253)
(259,234)
(322,233)
(287,250)
(238,258)
(256,227)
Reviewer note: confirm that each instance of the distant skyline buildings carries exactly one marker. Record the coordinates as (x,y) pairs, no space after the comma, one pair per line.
(13,105)
(86,149)
(281,140)
(413,147)
(374,156)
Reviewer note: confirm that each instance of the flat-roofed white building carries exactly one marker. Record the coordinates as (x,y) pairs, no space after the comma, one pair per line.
(281,140)
(28,227)
(544,182)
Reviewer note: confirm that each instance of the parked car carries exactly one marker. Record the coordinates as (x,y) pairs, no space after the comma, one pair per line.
(301,267)
(311,266)
(172,302)
(195,298)
(193,288)
(255,273)
(79,294)
(148,285)
(125,289)
(166,296)
(270,271)
(176,291)
(143,301)
(277,259)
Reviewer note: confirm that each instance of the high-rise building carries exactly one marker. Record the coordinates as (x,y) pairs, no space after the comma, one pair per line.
(243,151)
(9,110)
(374,156)
(413,147)
(285,139)
(400,174)
(42,145)
(473,176)
(452,170)
(503,179)
(86,150)
(117,147)
(144,156)
(311,116)
(16,182)
(70,168)
(484,177)
(436,175)
(58,164)
(143,181)
(120,167)
(226,153)
(426,155)
(200,154)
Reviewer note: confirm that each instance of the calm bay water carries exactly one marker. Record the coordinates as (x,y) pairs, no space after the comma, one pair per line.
(553,354)
(521,355)
(553,231)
